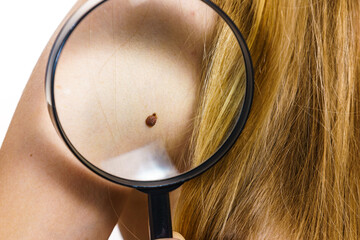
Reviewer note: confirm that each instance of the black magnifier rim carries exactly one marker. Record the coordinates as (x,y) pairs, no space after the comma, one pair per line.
(56,50)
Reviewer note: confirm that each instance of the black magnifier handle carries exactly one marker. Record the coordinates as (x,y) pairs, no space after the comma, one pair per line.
(159,215)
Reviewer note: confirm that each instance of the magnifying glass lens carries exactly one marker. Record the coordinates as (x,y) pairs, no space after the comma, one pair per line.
(147,90)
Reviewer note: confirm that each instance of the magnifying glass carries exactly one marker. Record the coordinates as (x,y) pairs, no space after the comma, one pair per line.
(149,94)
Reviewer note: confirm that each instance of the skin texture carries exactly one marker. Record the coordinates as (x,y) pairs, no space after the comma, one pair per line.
(43,187)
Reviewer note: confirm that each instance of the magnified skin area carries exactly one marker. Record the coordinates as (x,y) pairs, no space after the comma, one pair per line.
(124,61)
(43,187)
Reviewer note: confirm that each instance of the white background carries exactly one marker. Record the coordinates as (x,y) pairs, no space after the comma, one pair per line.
(25,28)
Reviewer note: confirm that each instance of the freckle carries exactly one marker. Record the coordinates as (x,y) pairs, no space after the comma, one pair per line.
(58,87)
(151,120)
(30,154)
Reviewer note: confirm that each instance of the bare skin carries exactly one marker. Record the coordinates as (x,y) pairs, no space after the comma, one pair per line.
(45,189)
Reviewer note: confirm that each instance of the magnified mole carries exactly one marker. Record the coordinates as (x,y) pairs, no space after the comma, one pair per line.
(151,120)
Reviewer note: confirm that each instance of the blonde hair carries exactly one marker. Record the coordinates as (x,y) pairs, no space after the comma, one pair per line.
(294,173)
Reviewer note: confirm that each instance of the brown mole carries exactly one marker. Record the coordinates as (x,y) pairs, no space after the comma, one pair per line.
(151,120)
